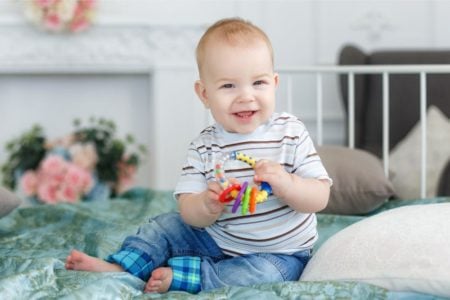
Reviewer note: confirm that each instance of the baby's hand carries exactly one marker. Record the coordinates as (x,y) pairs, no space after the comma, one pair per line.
(274,174)
(212,202)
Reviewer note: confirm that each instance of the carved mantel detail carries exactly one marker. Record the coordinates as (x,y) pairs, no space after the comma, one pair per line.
(140,46)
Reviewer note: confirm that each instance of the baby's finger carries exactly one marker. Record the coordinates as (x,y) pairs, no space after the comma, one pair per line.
(214,186)
(233,181)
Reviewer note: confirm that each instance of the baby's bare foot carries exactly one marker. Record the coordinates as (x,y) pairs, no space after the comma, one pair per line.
(80,261)
(160,281)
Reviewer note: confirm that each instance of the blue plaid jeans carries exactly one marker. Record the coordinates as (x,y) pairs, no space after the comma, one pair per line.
(196,260)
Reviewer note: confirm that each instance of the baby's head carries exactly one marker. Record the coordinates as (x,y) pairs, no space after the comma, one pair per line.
(237,81)
(234,32)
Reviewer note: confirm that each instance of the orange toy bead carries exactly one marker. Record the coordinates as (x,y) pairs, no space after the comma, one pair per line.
(252,206)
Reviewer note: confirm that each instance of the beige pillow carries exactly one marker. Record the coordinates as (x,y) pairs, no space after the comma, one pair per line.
(359,183)
(403,249)
(405,158)
(8,202)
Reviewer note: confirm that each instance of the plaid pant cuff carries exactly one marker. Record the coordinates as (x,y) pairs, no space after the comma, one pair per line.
(134,262)
(186,274)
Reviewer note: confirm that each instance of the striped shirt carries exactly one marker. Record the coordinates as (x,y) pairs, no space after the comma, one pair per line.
(274,227)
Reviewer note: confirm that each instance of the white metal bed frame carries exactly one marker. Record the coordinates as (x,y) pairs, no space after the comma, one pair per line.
(385,71)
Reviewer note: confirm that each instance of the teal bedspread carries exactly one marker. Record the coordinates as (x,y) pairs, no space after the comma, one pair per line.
(34,242)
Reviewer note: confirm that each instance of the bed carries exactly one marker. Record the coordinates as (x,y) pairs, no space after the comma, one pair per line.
(372,245)
(36,240)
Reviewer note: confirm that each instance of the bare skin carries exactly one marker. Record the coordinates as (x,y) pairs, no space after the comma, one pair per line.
(80,261)
(159,282)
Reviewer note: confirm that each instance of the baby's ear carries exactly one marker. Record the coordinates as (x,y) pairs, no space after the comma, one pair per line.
(201,92)
(276,79)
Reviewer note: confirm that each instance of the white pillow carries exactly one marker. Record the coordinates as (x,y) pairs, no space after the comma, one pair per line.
(405,158)
(403,249)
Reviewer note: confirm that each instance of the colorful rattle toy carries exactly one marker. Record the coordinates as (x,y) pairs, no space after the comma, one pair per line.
(243,195)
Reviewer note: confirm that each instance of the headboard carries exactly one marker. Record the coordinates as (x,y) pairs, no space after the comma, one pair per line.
(404,94)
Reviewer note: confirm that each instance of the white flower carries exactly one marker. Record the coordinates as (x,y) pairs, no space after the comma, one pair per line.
(33,12)
(66,9)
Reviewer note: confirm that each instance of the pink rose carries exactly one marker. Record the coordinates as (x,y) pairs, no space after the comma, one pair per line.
(45,3)
(29,182)
(47,193)
(68,193)
(76,177)
(53,165)
(87,4)
(53,21)
(79,24)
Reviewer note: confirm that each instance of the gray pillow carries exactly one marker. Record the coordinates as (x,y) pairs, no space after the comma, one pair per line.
(359,183)
(8,201)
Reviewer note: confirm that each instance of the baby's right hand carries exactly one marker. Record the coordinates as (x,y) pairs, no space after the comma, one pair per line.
(212,202)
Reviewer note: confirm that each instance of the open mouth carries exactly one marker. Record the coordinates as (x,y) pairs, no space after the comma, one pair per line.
(245,114)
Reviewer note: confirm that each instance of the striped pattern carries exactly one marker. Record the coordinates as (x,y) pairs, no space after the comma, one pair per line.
(274,227)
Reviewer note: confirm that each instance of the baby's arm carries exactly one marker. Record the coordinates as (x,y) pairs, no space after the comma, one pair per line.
(302,194)
(202,209)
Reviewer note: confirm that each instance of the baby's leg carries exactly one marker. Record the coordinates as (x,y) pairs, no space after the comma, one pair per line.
(164,235)
(80,261)
(252,269)
(160,280)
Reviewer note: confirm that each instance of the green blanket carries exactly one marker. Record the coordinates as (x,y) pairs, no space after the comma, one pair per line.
(34,242)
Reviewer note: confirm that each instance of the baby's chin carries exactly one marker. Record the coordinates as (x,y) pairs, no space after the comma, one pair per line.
(243,129)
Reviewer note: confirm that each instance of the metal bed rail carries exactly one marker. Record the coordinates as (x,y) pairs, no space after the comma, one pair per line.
(385,71)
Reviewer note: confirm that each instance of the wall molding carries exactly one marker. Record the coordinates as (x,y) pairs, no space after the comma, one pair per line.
(106,47)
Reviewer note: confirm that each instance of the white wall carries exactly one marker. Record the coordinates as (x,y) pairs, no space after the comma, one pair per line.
(302,32)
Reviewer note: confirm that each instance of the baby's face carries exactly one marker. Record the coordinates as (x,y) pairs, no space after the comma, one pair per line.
(238,85)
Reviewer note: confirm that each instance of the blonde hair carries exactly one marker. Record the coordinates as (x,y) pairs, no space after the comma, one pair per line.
(234,31)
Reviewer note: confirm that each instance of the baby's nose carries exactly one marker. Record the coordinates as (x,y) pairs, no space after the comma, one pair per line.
(246,94)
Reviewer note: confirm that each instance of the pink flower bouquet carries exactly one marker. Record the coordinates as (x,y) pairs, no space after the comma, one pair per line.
(59,15)
(57,180)
(89,164)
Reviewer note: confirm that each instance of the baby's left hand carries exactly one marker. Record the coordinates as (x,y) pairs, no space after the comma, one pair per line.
(274,174)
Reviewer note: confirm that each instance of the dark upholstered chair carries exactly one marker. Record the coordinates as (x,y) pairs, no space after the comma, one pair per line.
(404,93)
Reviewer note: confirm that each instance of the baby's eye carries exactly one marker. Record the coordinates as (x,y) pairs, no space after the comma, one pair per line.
(227,86)
(259,82)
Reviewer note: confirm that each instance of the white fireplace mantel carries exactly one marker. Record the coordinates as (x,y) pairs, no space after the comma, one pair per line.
(102,48)
(163,52)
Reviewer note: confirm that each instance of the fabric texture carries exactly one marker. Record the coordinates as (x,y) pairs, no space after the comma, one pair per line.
(403,249)
(186,274)
(133,261)
(8,202)
(359,183)
(28,270)
(405,158)
(274,227)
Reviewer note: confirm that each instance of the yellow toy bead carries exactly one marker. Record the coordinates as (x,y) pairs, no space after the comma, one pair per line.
(247,159)
(262,196)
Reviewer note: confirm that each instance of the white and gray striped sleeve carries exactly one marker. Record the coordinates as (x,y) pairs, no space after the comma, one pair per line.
(192,178)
